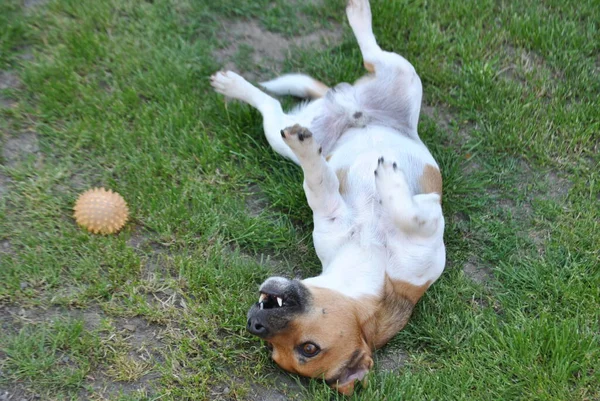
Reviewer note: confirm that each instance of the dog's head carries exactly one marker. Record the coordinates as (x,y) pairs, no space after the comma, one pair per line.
(314,332)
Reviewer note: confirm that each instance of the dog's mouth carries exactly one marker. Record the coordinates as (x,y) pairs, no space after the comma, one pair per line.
(279,301)
(271,301)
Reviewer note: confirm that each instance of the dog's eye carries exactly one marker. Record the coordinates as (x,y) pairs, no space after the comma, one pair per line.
(309,349)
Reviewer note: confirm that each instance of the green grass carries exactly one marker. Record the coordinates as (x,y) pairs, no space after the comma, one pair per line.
(118,94)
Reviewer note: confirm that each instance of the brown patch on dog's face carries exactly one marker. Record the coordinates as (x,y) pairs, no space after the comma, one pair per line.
(431,180)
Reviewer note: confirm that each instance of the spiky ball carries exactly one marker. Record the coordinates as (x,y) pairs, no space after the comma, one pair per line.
(101,211)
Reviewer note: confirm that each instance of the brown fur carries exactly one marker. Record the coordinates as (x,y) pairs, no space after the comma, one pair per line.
(431,180)
(369,67)
(393,312)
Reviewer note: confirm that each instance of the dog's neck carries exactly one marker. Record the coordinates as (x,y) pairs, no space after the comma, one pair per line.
(391,312)
(382,305)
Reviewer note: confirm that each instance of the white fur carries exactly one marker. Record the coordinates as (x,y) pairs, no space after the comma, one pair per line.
(381,224)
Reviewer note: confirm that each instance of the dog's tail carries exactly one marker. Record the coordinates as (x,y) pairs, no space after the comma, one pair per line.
(298,85)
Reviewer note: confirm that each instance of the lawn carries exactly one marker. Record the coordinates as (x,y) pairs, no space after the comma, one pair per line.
(115,93)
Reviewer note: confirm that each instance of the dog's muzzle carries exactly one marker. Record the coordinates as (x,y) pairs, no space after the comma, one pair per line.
(279,301)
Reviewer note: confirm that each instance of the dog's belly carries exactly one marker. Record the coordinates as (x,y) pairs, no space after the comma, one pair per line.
(355,155)
(355,159)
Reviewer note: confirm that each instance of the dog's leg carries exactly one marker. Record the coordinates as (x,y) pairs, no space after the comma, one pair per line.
(321,185)
(232,85)
(416,214)
(397,81)
(360,19)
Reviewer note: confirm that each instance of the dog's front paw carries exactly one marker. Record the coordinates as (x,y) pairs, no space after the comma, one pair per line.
(389,179)
(301,141)
(228,83)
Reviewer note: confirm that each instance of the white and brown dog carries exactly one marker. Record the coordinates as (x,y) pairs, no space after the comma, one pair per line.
(375,192)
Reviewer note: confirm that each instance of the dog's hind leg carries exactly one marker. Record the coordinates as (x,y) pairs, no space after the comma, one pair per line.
(232,85)
(419,215)
(396,89)
(321,184)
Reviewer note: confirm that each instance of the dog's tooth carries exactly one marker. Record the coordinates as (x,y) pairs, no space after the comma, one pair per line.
(279,301)
(262,297)
(262,306)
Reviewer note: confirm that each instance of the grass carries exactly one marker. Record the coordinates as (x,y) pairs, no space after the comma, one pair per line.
(116,94)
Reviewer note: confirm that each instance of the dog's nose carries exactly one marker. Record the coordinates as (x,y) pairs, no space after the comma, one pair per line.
(255,327)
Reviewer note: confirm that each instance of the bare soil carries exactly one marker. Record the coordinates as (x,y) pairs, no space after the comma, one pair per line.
(268,49)
(19,148)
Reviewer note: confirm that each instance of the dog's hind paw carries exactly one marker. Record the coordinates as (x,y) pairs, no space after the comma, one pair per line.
(359,15)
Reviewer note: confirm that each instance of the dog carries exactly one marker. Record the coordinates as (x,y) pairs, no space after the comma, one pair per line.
(375,192)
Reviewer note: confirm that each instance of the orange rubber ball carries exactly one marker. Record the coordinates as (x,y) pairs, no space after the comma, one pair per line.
(101,211)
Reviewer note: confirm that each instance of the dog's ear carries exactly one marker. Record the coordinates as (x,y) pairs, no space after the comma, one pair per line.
(357,369)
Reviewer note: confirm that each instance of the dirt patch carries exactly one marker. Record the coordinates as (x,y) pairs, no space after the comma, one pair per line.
(25,53)
(18,316)
(390,360)
(558,187)
(8,80)
(18,149)
(157,265)
(249,43)
(138,239)
(144,338)
(277,265)
(479,274)
(17,393)
(520,65)
(102,388)
(7,103)
(33,3)
(256,201)
(285,387)
(6,247)
(141,339)
(266,394)
(156,257)
(440,115)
